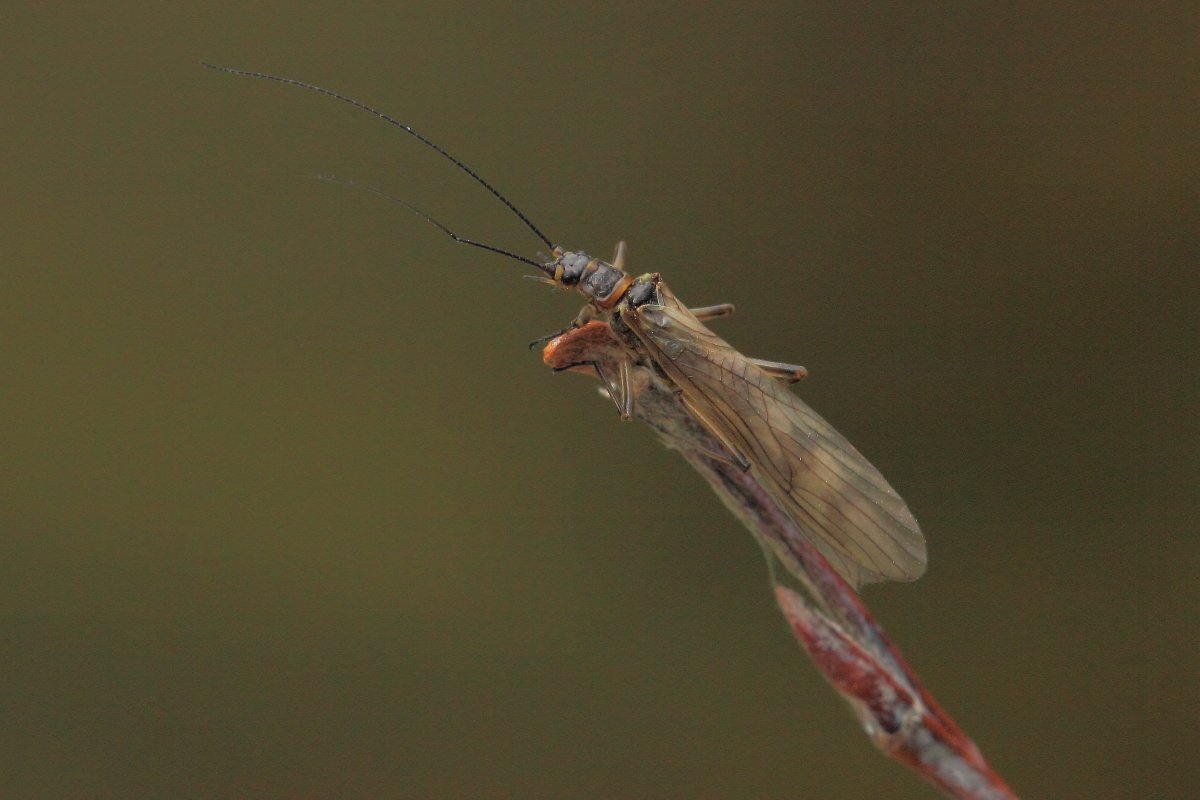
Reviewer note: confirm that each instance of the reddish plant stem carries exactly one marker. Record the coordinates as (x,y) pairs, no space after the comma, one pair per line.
(839,633)
(851,649)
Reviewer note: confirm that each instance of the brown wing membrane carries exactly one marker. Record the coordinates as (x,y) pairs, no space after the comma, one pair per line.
(854,517)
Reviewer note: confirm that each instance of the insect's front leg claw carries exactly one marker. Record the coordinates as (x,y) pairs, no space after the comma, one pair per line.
(543,339)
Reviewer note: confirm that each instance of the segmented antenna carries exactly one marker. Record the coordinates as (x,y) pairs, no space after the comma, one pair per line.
(407,129)
(363,187)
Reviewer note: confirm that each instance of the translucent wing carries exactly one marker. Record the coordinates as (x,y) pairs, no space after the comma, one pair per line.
(854,517)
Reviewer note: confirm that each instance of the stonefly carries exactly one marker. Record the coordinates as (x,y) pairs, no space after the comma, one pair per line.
(634,330)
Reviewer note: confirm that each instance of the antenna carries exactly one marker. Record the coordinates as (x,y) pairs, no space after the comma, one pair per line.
(407,129)
(362,187)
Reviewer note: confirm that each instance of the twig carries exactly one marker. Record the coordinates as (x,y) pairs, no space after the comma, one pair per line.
(841,636)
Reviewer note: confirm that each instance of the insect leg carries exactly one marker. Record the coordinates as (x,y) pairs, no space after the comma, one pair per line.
(688,444)
(586,314)
(788,373)
(619,257)
(543,339)
(625,406)
(620,391)
(705,313)
(738,458)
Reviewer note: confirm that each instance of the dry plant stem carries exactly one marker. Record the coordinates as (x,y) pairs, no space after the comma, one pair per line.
(841,636)
(850,648)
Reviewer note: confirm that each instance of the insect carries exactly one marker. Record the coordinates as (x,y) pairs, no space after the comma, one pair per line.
(633,330)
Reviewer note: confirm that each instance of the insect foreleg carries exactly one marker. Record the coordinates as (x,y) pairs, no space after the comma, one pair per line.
(586,315)
(620,389)
(543,339)
(705,313)
(788,373)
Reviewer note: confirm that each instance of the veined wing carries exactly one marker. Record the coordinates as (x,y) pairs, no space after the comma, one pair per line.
(857,521)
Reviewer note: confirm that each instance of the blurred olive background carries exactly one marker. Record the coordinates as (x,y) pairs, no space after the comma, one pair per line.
(289,511)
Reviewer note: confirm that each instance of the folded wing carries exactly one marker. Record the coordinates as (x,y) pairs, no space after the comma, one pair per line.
(857,521)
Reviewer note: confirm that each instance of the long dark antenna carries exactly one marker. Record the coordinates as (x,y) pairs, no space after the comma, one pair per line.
(362,187)
(391,121)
